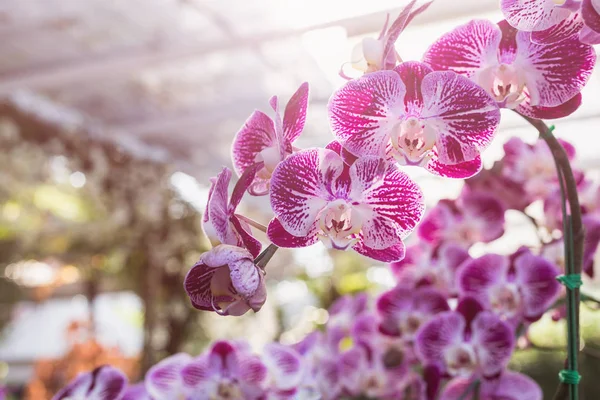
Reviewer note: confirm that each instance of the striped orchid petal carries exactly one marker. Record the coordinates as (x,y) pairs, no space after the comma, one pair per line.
(404,115)
(519,71)
(269,141)
(370,205)
(220,222)
(227,281)
(164,381)
(103,383)
(533,15)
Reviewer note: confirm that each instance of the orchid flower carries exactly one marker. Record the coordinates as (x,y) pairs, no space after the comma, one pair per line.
(509,386)
(551,21)
(285,370)
(226,372)
(522,289)
(103,383)
(220,222)
(267,141)
(532,166)
(369,206)
(136,392)
(460,346)
(473,217)
(226,280)
(425,266)
(164,381)
(539,81)
(437,120)
(403,310)
(345,309)
(379,54)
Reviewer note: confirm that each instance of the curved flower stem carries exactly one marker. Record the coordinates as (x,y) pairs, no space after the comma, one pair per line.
(574,242)
(264,257)
(252,222)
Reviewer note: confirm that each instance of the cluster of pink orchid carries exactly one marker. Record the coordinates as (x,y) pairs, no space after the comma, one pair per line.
(448,328)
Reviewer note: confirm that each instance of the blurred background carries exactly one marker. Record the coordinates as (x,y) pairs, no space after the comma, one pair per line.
(113,116)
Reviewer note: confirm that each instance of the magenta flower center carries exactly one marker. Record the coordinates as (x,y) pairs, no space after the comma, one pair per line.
(340,224)
(504,83)
(505,299)
(460,359)
(413,141)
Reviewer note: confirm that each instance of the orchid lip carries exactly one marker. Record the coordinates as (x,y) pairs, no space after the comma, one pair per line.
(340,225)
(413,141)
(504,83)
(460,359)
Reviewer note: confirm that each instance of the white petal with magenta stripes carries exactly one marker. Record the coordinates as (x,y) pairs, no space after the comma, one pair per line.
(363,112)
(533,15)
(294,116)
(395,198)
(467,49)
(463,114)
(257,134)
(299,188)
(164,380)
(554,73)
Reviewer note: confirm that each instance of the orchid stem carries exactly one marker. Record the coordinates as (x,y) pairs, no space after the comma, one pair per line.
(264,257)
(473,386)
(574,242)
(252,222)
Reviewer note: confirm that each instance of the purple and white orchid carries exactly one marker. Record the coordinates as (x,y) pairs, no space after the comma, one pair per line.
(226,280)
(267,141)
(428,266)
(402,114)
(220,222)
(164,381)
(473,217)
(539,81)
(480,346)
(404,310)
(369,206)
(522,288)
(103,383)
(551,21)
(226,372)
(510,386)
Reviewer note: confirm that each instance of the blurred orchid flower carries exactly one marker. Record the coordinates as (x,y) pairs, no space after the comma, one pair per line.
(220,222)
(426,266)
(345,309)
(403,310)
(464,345)
(369,206)
(226,280)
(226,372)
(551,21)
(473,217)
(402,114)
(164,381)
(532,166)
(539,81)
(136,392)
(522,289)
(267,141)
(103,383)
(285,370)
(379,54)
(509,386)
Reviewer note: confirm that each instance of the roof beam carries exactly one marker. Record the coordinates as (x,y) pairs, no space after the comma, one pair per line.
(132,60)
